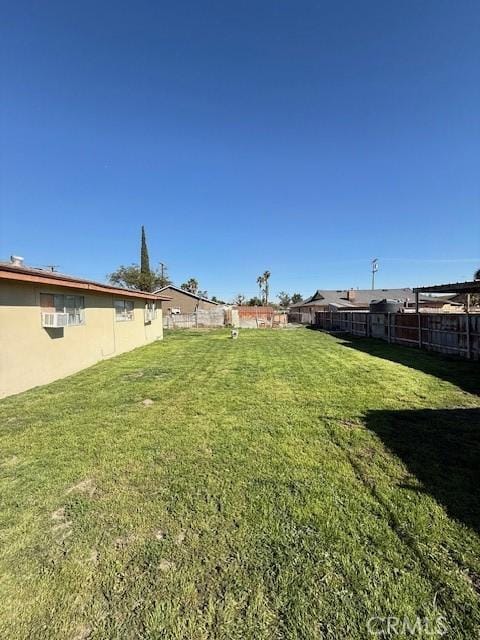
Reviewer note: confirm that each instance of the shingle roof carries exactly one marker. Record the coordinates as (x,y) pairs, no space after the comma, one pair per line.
(362,297)
(188,293)
(22,273)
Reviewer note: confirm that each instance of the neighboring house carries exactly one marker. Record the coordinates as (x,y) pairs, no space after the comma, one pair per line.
(461,298)
(182,301)
(360,299)
(52,325)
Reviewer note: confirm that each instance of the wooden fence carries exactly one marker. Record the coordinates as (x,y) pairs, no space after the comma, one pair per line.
(454,334)
(245,317)
(301,317)
(260,317)
(201,318)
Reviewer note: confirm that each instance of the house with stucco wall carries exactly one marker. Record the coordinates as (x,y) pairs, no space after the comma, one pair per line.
(53,325)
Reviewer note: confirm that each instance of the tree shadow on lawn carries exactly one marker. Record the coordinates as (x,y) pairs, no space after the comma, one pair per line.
(462,373)
(441,447)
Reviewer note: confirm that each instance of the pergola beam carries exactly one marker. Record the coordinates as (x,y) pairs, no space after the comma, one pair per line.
(472,286)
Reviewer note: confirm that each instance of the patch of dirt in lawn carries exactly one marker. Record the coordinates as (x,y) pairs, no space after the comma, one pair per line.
(147,402)
(62,527)
(61,524)
(123,541)
(85,486)
(180,537)
(134,375)
(82,632)
(350,424)
(93,556)
(166,565)
(207,451)
(59,514)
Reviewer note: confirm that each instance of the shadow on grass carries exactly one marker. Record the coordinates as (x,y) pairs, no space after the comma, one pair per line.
(442,449)
(462,373)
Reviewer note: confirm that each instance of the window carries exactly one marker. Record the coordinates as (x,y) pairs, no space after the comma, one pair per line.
(123,310)
(150,312)
(73,306)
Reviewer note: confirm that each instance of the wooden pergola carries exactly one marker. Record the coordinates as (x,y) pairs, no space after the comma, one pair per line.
(469,287)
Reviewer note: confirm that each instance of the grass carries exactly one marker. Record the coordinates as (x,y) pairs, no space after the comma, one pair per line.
(288,484)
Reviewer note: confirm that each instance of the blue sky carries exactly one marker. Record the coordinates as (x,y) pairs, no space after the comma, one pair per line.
(301,137)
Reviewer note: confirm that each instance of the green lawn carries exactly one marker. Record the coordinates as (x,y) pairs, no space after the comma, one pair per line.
(288,484)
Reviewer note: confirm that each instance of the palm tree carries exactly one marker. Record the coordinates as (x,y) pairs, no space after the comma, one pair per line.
(260,287)
(266,276)
(191,285)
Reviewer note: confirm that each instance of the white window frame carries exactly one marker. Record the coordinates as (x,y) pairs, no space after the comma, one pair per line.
(75,319)
(150,311)
(127,315)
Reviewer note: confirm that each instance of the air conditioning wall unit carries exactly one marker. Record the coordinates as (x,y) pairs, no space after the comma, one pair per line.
(54,320)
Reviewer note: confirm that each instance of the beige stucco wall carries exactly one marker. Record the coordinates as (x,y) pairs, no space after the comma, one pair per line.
(31,355)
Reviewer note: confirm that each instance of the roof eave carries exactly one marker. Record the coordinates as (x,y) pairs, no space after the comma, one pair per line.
(25,275)
(188,293)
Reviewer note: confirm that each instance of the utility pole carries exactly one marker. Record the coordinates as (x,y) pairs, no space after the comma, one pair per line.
(162,268)
(374,271)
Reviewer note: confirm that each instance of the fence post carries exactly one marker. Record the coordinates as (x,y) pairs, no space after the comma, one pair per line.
(388,327)
(469,350)
(419,330)
(351,322)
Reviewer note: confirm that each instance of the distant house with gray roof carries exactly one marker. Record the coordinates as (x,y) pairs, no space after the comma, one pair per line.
(360,299)
(183,301)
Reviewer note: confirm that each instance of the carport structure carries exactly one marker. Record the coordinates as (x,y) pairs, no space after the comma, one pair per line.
(469,287)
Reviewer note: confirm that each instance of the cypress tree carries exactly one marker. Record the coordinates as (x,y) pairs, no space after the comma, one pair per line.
(145,273)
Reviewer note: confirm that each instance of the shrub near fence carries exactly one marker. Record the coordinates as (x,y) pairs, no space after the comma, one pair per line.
(455,334)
